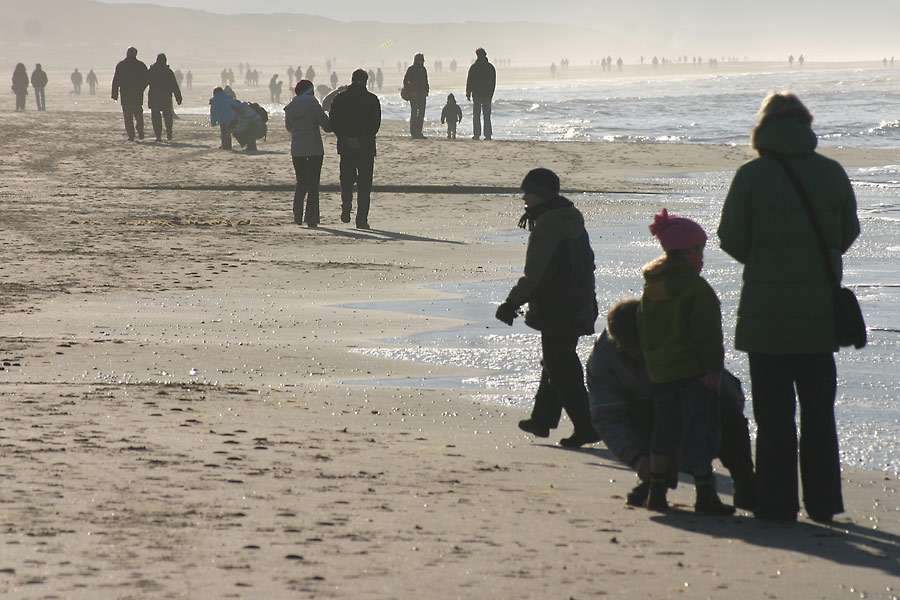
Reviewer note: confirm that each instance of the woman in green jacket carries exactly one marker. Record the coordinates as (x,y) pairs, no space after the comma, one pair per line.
(785,319)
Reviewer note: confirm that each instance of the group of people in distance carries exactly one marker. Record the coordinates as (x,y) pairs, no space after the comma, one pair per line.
(481,82)
(657,392)
(130,80)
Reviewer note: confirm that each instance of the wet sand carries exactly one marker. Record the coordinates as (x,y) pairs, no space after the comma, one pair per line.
(175,422)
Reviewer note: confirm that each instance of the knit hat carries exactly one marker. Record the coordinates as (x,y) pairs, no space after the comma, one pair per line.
(676,233)
(541,182)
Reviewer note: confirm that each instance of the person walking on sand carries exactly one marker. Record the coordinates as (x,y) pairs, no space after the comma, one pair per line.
(304,118)
(222,107)
(785,316)
(20,85)
(416,83)
(163,86)
(39,82)
(92,82)
(558,285)
(355,118)
(76,79)
(680,328)
(480,85)
(129,83)
(621,401)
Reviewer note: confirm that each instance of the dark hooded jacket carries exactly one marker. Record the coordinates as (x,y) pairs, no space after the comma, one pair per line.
(129,81)
(786,304)
(558,283)
(163,86)
(482,79)
(355,114)
(416,79)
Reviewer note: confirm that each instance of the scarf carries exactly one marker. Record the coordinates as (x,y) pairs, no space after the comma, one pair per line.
(531,214)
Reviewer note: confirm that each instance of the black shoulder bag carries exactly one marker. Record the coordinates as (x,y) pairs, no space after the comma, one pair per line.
(849,326)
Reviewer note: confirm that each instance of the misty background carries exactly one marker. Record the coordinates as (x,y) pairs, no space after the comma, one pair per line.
(215,33)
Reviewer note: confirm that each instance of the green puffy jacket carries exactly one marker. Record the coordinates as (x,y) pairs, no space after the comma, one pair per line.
(786,304)
(679,322)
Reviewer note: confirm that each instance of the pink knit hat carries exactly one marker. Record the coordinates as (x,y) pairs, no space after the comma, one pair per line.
(676,233)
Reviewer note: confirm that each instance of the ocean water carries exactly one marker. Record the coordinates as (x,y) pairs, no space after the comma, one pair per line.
(868,411)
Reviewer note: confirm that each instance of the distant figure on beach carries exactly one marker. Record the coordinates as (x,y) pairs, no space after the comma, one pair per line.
(76,78)
(619,64)
(379,78)
(224,77)
(621,401)
(558,285)
(416,83)
(221,112)
(333,79)
(304,118)
(272,83)
(189,80)
(355,119)
(163,87)
(129,82)
(20,85)
(553,70)
(179,77)
(680,329)
(371,83)
(39,82)
(451,115)
(480,84)
(791,61)
(290,76)
(92,82)
(800,61)
(785,316)
(310,73)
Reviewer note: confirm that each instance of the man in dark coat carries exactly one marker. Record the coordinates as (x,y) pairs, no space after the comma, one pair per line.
(163,86)
(416,83)
(355,117)
(129,83)
(558,285)
(39,82)
(480,84)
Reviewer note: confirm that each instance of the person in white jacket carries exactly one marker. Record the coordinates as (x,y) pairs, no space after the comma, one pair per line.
(304,117)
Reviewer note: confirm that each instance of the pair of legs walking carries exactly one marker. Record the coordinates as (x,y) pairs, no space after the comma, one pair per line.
(157,116)
(308,170)
(134,120)
(417,115)
(481,106)
(774,379)
(561,387)
(356,168)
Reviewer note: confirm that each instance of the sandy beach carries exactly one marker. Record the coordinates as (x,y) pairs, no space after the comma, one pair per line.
(176,422)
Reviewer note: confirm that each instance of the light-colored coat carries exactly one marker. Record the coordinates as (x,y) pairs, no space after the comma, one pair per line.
(304,117)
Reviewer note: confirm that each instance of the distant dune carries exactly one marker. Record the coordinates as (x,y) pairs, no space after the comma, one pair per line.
(89,32)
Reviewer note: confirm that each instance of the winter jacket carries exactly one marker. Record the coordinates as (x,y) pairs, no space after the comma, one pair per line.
(129,81)
(680,323)
(620,396)
(303,117)
(20,81)
(163,86)
(786,299)
(222,108)
(482,79)
(452,113)
(355,119)
(558,283)
(39,79)
(416,79)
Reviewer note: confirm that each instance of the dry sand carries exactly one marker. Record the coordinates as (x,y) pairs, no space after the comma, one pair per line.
(175,422)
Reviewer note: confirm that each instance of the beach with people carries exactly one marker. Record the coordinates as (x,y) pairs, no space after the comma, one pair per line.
(203,399)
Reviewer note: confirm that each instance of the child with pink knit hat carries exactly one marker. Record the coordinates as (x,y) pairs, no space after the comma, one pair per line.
(680,326)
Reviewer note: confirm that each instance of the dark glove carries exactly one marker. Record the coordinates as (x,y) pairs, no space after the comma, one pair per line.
(507,313)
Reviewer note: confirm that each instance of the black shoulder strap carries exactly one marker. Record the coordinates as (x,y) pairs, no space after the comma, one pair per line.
(807,204)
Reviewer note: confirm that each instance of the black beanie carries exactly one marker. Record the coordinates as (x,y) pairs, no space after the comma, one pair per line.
(541,182)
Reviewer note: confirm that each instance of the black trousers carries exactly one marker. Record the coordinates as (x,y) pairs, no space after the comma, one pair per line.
(134,119)
(773,380)
(157,116)
(357,169)
(417,113)
(562,385)
(308,170)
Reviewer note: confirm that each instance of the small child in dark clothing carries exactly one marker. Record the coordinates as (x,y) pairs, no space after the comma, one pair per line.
(452,114)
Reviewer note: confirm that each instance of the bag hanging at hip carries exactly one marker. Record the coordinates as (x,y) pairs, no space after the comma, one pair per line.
(849,325)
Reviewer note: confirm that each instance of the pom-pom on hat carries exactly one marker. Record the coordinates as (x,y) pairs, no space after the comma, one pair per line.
(541,182)
(676,233)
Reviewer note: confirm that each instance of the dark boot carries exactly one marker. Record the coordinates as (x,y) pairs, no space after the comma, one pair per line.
(638,495)
(535,429)
(707,499)
(656,499)
(744,490)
